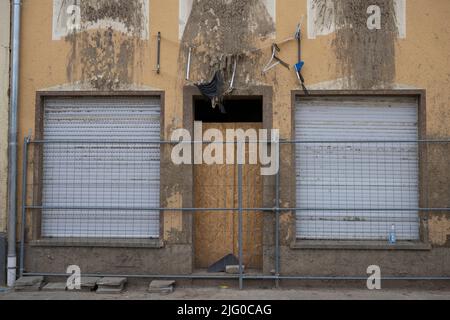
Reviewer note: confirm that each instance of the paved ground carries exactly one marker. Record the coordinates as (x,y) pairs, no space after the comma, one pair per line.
(232,294)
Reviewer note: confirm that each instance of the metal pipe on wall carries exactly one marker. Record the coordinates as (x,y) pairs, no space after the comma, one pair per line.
(158,55)
(277,222)
(247,277)
(12,149)
(23,220)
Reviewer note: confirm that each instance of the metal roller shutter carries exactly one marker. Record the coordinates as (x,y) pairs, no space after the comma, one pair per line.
(357,190)
(98,174)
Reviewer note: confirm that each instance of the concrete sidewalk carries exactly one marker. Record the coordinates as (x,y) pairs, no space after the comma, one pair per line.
(233,294)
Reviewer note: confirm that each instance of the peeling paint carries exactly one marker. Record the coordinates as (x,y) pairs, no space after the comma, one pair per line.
(81,86)
(99,55)
(366,58)
(219,30)
(322,17)
(129,17)
(173,220)
(185,9)
(101,58)
(341,84)
(321,20)
(439,230)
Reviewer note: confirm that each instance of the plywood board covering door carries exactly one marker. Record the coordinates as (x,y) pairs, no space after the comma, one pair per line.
(216,186)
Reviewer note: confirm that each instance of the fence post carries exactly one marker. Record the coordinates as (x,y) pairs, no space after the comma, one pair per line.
(26,142)
(240,195)
(277,221)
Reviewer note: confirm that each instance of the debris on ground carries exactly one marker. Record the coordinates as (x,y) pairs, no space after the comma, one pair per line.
(26,284)
(221,265)
(161,286)
(89,283)
(55,287)
(111,285)
(234,269)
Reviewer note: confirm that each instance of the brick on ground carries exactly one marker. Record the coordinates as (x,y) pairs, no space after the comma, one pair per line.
(89,283)
(234,269)
(111,285)
(29,284)
(161,286)
(55,287)
(111,282)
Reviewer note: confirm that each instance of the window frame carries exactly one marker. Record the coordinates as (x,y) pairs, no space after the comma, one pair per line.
(37,173)
(423,243)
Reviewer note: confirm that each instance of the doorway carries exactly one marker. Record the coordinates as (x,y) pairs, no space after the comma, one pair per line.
(216,186)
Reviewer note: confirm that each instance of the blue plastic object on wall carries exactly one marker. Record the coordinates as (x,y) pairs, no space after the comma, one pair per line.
(299,66)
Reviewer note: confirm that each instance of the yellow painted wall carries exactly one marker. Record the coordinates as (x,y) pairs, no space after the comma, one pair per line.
(422,60)
(4,84)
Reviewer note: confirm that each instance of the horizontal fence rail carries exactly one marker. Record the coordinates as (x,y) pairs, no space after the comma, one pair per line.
(339,190)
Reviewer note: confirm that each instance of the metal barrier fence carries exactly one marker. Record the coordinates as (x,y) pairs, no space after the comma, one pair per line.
(342,190)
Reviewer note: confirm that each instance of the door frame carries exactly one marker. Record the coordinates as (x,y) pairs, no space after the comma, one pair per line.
(187,172)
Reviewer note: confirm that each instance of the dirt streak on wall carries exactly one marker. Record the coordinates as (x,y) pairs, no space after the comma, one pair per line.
(440,226)
(104,58)
(220,29)
(366,58)
(127,12)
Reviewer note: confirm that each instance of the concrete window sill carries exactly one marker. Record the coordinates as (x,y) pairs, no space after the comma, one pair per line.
(359,245)
(99,243)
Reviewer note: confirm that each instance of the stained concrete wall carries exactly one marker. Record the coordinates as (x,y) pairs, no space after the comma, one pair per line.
(344,59)
(4,85)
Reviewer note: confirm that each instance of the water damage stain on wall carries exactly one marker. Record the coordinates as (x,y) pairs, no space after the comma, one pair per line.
(104,47)
(220,29)
(366,58)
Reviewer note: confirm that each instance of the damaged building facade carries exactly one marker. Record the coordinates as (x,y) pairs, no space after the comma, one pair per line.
(364,152)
